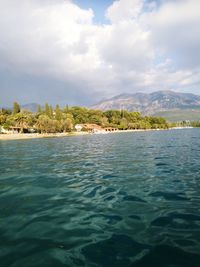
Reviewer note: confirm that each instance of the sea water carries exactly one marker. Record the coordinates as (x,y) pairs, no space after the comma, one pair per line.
(122,199)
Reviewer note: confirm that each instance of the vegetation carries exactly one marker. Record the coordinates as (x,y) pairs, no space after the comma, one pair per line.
(195,124)
(16,108)
(51,120)
(192,114)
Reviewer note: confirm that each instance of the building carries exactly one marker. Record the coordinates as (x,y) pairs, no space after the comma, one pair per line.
(110,129)
(78,127)
(16,130)
(93,128)
(6,131)
(89,127)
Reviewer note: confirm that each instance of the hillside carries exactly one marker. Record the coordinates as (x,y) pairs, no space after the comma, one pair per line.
(32,107)
(169,103)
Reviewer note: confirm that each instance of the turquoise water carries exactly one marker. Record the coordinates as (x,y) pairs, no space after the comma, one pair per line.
(130,199)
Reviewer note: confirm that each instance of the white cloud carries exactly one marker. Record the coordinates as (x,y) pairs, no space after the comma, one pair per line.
(126,46)
(124,10)
(43,37)
(175,28)
(144,47)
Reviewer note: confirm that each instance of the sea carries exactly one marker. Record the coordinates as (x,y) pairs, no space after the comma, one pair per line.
(113,200)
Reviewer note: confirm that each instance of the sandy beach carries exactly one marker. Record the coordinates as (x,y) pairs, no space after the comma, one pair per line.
(22,136)
(49,135)
(37,135)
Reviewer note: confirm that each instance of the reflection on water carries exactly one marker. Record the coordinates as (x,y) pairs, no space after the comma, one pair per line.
(130,199)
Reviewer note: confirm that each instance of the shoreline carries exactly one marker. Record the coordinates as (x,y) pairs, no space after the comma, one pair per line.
(25,136)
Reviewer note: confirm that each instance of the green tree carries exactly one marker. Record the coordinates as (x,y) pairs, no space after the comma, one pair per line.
(50,121)
(16,108)
(5,111)
(51,112)
(39,109)
(104,121)
(58,113)
(67,125)
(195,124)
(114,116)
(123,124)
(66,109)
(79,114)
(47,110)
(20,120)
(2,119)
(46,125)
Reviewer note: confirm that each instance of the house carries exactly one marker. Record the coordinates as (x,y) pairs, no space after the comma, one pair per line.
(93,128)
(7,131)
(16,130)
(110,129)
(89,127)
(78,127)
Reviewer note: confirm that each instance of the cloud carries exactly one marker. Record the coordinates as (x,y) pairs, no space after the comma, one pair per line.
(124,10)
(43,37)
(175,29)
(62,55)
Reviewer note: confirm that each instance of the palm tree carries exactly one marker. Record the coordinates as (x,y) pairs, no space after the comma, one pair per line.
(21,121)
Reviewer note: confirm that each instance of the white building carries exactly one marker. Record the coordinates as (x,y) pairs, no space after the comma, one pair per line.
(78,127)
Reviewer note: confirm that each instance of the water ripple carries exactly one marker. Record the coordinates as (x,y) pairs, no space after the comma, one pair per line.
(119,200)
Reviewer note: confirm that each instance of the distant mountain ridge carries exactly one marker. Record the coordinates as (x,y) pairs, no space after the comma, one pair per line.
(171,105)
(32,107)
(151,103)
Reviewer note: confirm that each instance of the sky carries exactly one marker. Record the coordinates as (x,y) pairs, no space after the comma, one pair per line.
(78,52)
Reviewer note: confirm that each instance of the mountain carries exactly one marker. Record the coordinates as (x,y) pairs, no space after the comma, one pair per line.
(166,103)
(30,107)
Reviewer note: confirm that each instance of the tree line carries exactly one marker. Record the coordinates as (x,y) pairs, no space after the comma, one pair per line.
(49,119)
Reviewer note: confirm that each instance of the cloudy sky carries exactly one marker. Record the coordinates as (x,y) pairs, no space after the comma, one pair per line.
(81,51)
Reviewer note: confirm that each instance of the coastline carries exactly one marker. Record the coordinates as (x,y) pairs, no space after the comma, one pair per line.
(25,136)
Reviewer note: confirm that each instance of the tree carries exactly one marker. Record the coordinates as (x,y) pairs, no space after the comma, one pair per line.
(51,112)
(66,109)
(47,110)
(67,125)
(133,125)
(6,111)
(58,113)
(46,125)
(49,121)
(39,109)
(104,121)
(123,124)
(114,116)
(16,108)
(195,124)
(79,114)
(2,119)
(20,120)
